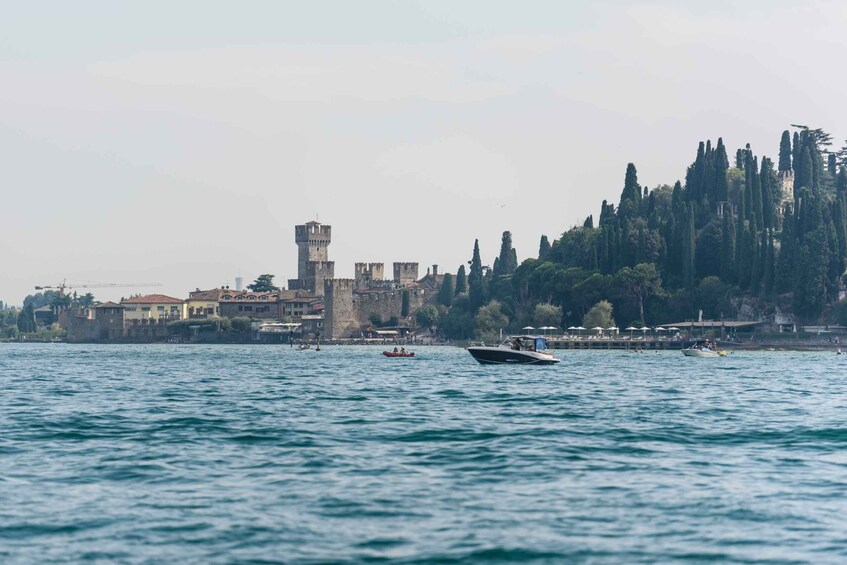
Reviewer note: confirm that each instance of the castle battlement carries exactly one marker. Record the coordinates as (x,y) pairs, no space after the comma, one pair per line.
(313,232)
(405,272)
(332,286)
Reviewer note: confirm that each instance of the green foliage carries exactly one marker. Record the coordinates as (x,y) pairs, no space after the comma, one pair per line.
(461,280)
(26,319)
(427,316)
(476,284)
(547,315)
(240,324)
(447,290)
(404,305)
(600,315)
(543,247)
(263,283)
(490,319)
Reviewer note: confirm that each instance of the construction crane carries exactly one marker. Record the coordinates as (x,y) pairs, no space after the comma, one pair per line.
(88,284)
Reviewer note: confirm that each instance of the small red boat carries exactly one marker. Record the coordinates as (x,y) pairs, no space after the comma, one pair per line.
(398,354)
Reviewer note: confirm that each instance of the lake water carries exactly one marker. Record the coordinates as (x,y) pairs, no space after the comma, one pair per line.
(220,454)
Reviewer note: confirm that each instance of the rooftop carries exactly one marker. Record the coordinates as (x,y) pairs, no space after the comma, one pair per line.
(152,299)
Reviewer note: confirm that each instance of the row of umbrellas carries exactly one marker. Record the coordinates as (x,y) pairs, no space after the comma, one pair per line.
(610,329)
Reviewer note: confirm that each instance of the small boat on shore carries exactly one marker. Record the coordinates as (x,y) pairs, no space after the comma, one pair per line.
(520,349)
(705,348)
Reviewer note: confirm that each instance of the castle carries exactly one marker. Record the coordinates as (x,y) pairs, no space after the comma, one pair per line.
(350,304)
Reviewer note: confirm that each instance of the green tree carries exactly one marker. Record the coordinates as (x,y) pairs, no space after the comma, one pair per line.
(263,283)
(26,319)
(641,283)
(543,247)
(712,296)
(505,263)
(447,290)
(547,315)
(785,152)
(600,315)
(404,306)
(461,280)
(476,284)
(490,319)
(427,316)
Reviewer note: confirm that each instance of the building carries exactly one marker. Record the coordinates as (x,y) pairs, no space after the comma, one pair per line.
(203,304)
(248,304)
(104,322)
(313,264)
(152,307)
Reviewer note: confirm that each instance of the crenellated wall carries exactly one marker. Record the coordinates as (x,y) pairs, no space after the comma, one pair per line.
(386,303)
(367,273)
(312,241)
(405,273)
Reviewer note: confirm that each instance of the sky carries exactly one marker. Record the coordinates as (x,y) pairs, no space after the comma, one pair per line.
(180,142)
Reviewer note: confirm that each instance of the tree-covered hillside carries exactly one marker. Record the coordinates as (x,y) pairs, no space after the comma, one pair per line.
(735,239)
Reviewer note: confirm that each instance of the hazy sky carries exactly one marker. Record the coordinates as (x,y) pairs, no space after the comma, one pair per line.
(180,142)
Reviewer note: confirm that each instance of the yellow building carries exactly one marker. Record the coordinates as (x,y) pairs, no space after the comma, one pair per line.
(152,307)
(203,304)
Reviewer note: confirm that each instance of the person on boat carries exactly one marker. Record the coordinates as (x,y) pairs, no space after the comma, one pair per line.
(402,351)
(395,350)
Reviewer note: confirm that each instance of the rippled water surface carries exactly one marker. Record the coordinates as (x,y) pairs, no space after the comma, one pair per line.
(221,454)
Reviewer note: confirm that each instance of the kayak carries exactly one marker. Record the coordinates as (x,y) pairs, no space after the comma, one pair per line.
(392,354)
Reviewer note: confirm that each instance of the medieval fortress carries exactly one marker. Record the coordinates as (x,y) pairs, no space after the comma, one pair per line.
(349,304)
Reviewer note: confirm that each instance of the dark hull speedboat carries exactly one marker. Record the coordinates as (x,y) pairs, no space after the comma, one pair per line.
(516,350)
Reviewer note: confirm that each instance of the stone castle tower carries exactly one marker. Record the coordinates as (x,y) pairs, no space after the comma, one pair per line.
(313,264)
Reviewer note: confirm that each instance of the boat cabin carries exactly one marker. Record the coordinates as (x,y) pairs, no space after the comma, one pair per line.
(525,343)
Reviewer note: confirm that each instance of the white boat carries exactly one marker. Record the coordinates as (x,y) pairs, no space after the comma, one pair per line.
(704,349)
(515,350)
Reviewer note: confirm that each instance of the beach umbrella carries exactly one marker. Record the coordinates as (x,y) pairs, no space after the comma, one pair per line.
(571,328)
(579,329)
(613,329)
(597,329)
(673,329)
(527,328)
(630,329)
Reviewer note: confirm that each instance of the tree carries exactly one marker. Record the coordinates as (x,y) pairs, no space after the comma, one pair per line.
(427,316)
(447,290)
(461,281)
(490,320)
(404,307)
(711,296)
(476,284)
(505,263)
(547,315)
(785,152)
(543,247)
(26,319)
(600,315)
(641,282)
(263,283)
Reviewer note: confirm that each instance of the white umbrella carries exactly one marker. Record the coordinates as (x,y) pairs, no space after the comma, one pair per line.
(572,328)
(630,329)
(528,328)
(673,329)
(612,328)
(579,329)
(597,329)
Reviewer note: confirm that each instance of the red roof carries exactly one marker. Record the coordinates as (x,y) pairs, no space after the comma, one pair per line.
(152,299)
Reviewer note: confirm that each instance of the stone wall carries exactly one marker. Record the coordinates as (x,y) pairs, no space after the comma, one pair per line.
(312,241)
(367,273)
(405,273)
(339,319)
(386,303)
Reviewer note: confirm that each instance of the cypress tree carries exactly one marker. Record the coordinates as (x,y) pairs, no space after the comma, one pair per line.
(589,222)
(841,181)
(832,164)
(795,151)
(728,248)
(447,290)
(504,264)
(785,262)
(785,152)
(543,247)
(461,280)
(630,203)
(739,159)
(689,249)
(721,168)
(404,306)
(770,267)
(476,289)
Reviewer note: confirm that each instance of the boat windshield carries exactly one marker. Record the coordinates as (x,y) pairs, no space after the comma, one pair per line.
(540,344)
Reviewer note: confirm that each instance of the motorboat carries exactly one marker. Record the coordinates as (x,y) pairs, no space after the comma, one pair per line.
(520,349)
(705,348)
(399,353)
